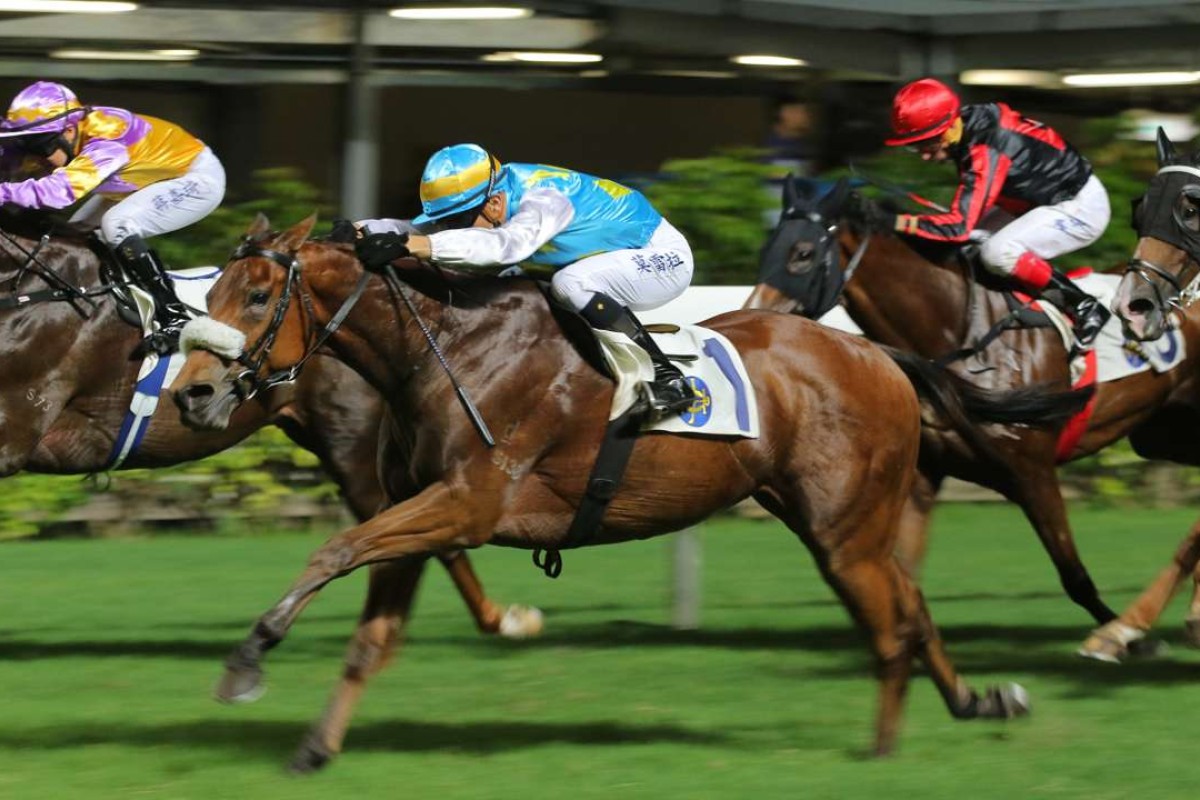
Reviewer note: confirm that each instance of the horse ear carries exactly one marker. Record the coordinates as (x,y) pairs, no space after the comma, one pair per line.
(835,198)
(259,226)
(1166,150)
(294,237)
(789,194)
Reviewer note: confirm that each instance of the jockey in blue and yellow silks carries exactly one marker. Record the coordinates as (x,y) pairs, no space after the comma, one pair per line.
(139,176)
(609,251)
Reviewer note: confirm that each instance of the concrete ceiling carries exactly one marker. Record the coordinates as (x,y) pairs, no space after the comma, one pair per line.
(311,40)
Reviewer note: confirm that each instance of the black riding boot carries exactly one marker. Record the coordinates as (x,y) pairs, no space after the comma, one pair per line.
(668,393)
(1088,312)
(170,312)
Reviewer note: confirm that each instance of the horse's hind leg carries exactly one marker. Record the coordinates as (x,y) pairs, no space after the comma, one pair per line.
(513,621)
(913,538)
(868,588)
(1191,625)
(1040,497)
(388,608)
(1111,641)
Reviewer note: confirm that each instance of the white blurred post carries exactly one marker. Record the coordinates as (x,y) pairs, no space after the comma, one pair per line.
(685,564)
(360,157)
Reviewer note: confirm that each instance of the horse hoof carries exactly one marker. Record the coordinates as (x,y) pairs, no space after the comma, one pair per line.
(1102,648)
(1005,702)
(1191,631)
(310,757)
(241,685)
(1148,648)
(521,622)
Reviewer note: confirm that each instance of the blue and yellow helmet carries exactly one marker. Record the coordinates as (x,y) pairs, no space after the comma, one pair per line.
(457,178)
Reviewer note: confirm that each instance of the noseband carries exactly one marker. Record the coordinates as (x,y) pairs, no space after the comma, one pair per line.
(1179,237)
(248,383)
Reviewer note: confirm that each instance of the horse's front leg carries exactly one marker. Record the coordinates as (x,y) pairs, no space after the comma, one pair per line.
(387,611)
(441,517)
(1113,641)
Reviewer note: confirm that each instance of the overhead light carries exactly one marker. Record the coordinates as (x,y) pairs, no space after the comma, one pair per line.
(460,12)
(66,6)
(545,57)
(1111,79)
(769,61)
(1008,77)
(694,73)
(125,55)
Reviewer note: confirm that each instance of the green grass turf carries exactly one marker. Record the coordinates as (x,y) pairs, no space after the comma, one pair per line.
(109,649)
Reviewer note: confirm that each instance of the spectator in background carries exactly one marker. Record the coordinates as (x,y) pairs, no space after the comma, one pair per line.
(790,147)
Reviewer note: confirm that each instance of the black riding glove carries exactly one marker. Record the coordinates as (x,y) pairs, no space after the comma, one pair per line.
(344,231)
(377,250)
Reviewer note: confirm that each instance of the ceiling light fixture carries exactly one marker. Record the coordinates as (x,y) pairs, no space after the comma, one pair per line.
(769,61)
(460,12)
(1008,77)
(66,6)
(545,57)
(125,55)
(1098,80)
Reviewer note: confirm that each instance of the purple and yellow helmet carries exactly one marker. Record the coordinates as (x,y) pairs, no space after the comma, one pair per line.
(41,108)
(457,179)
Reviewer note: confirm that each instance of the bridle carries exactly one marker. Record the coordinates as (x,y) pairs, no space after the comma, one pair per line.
(248,383)
(1182,293)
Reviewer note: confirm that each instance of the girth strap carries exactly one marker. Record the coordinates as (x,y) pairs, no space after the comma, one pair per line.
(602,485)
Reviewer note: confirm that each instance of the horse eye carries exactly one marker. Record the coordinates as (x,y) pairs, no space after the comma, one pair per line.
(805,254)
(258,297)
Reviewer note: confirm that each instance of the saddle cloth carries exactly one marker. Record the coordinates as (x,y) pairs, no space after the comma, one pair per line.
(1116,357)
(726,404)
(156,373)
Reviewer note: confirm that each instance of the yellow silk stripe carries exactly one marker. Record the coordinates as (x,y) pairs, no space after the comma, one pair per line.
(472,177)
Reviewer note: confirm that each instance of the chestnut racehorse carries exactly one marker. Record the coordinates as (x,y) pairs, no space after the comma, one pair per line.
(68,375)
(835,459)
(1159,290)
(908,294)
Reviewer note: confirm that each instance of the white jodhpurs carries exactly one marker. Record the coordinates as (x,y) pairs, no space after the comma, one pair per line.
(160,207)
(641,279)
(1050,231)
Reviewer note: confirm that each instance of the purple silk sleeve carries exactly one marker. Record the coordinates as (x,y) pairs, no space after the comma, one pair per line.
(98,160)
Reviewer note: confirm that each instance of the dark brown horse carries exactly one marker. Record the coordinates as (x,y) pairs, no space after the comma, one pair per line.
(69,374)
(923,299)
(835,458)
(1160,290)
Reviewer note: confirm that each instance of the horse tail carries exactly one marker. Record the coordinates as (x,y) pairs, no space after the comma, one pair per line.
(965,405)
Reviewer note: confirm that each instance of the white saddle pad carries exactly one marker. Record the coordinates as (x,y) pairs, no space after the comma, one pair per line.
(1117,357)
(725,405)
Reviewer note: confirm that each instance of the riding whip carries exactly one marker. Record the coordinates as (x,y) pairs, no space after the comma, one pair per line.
(463,397)
(897,190)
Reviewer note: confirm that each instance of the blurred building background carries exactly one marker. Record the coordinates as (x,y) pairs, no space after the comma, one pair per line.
(352,97)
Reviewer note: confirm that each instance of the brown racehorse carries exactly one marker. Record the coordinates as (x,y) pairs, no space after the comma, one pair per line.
(68,376)
(1160,290)
(835,458)
(919,298)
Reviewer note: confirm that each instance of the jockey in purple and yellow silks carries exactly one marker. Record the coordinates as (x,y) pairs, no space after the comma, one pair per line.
(140,176)
(609,250)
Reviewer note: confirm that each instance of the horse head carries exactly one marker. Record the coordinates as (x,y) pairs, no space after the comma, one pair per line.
(1166,261)
(800,266)
(251,302)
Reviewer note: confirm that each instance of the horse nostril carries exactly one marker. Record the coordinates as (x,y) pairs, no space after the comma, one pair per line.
(191,395)
(1140,307)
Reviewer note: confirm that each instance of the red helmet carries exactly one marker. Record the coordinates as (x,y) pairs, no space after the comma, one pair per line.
(922,109)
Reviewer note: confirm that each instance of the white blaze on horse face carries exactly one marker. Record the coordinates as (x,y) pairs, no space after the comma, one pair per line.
(205,333)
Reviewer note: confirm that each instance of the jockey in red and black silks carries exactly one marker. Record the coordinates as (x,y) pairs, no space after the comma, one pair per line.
(1021,166)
